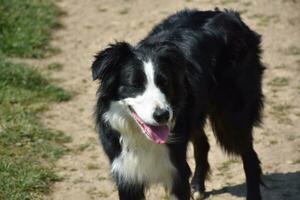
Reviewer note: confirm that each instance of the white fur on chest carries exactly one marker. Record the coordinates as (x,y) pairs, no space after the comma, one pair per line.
(141,160)
(148,164)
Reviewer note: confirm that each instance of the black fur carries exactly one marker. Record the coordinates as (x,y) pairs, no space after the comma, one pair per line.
(211,68)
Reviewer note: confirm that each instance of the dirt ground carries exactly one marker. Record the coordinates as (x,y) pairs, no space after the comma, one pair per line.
(91,24)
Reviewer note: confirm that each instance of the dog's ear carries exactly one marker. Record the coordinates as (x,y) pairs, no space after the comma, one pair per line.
(110,58)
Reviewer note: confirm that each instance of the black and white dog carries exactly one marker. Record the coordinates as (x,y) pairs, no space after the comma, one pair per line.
(155,97)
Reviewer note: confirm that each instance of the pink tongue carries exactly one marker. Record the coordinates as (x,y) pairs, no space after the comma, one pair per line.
(158,134)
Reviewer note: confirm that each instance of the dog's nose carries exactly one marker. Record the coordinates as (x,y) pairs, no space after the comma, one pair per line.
(161,115)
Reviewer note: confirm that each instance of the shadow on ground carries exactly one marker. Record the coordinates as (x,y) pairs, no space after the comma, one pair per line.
(281,186)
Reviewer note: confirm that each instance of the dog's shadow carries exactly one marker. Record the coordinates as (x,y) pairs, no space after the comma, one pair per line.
(280,186)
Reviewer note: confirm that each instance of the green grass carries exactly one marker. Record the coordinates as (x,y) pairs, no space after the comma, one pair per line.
(25,27)
(82,147)
(124,11)
(22,84)
(282,66)
(93,166)
(265,20)
(281,113)
(23,181)
(100,8)
(248,3)
(225,166)
(226,2)
(27,149)
(292,50)
(55,66)
(279,82)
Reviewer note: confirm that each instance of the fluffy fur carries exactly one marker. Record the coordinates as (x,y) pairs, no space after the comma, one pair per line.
(192,66)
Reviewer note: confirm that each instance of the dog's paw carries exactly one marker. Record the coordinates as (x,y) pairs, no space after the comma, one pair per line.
(198,195)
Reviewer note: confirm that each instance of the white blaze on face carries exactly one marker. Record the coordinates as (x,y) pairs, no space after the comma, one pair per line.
(146,103)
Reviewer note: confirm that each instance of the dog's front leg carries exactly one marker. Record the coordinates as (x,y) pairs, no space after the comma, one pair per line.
(180,189)
(131,191)
(181,186)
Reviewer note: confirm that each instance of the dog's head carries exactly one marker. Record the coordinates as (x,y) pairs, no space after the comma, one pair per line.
(144,85)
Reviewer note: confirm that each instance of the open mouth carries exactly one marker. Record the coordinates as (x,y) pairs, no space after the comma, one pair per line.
(158,134)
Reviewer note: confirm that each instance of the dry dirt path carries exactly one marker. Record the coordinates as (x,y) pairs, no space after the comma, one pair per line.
(91,24)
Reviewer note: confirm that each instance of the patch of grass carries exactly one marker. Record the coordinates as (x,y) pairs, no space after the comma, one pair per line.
(82,147)
(265,20)
(291,1)
(282,108)
(94,157)
(265,133)
(280,112)
(248,3)
(291,137)
(298,88)
(100,8)
(24,181)
(242,11)
(292,50)
(101,178)
(27,149)
(103,194)
(226,165)
(298,62)
(94,194)
(124,11)
(274,90)
(19,83)
(55,66)
(283,66)
(25,27)
(79,180)
(226,2)
(279,82)
(272,142)
(93,166)
(296,161)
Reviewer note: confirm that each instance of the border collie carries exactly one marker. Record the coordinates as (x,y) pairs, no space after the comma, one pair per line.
(154,98)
